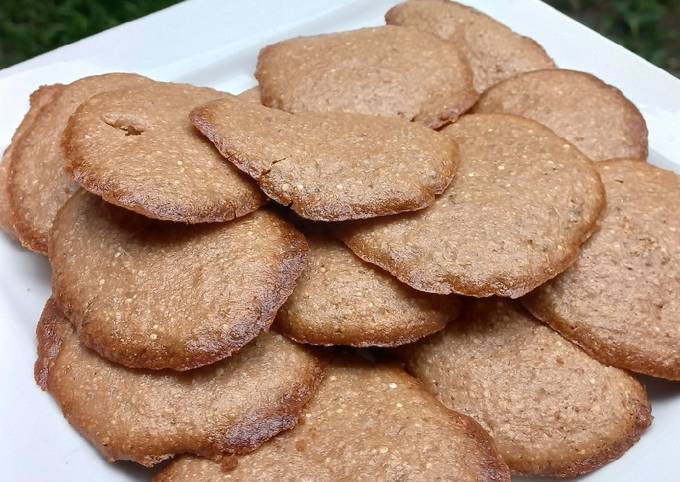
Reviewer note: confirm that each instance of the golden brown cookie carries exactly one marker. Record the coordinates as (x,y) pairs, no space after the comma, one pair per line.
(594,116)
(137,148)
(551,409)
(5,216)
(388,71)
(251,95)
(515,215)
(342,300)
(154,294)
(38,183)
(621,299)
(331,166)
(38,99)
(230,407)
(365,423)
(494,52)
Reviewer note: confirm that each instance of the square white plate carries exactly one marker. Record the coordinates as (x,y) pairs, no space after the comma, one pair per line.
(215,43)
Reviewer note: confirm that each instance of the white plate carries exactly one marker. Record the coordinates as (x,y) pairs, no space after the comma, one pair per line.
(215,43)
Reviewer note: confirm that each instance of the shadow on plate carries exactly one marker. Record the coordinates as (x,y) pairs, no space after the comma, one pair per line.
(660,390)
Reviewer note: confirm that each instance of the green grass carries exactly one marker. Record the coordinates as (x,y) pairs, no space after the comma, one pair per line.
(30,27)
(651,28)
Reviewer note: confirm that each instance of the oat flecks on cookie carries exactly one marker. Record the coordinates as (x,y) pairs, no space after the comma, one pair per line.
(367,422)
(5,216)
(495,52)
(621,299)
(38,183)
(331,166)
(38,99)
(342,300)
(154,294)
(349,199)
(229,407)
(137,148)
(551,408)
(388,71)
(596,117)
(522,203)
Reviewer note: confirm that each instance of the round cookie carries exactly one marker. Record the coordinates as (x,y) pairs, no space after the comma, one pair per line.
(551,409)
(521,204)
(38,184)
(367,422)
(494,52)
(154,294)
(230,407)
(387,71)
(137,148)
(621,299)
(331,166)
(594,116)
(38,99)
(342,300)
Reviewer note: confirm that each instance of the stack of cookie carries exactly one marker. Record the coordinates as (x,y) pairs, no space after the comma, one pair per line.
(397,186)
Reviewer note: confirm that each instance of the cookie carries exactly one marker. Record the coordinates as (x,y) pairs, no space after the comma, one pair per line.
(154,294)
(38,183)
(38,99)
(331,166)
(365,423)
(594,116)
(5,216)
(137,148)
(387,71)
(342,300)
(230,407)
(515,215)
(251,95)
(621,299)
(552,410)
(495,52)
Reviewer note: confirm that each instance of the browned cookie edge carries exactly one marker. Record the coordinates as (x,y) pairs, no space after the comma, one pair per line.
(640,133)
(249,435)
(5,216)
(291,268)
(49,337)
(115,195)
(637,362)
(38,99)
(201,118)
(453,285)
(242,438)
(641,421)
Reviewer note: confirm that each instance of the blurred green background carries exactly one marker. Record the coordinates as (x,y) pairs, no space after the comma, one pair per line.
(30,27)
(651,28)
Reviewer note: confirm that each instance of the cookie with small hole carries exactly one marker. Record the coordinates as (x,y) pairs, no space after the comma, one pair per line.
(38,184)
(137,148)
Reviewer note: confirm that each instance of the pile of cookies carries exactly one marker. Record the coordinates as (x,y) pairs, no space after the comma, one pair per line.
(436,187)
